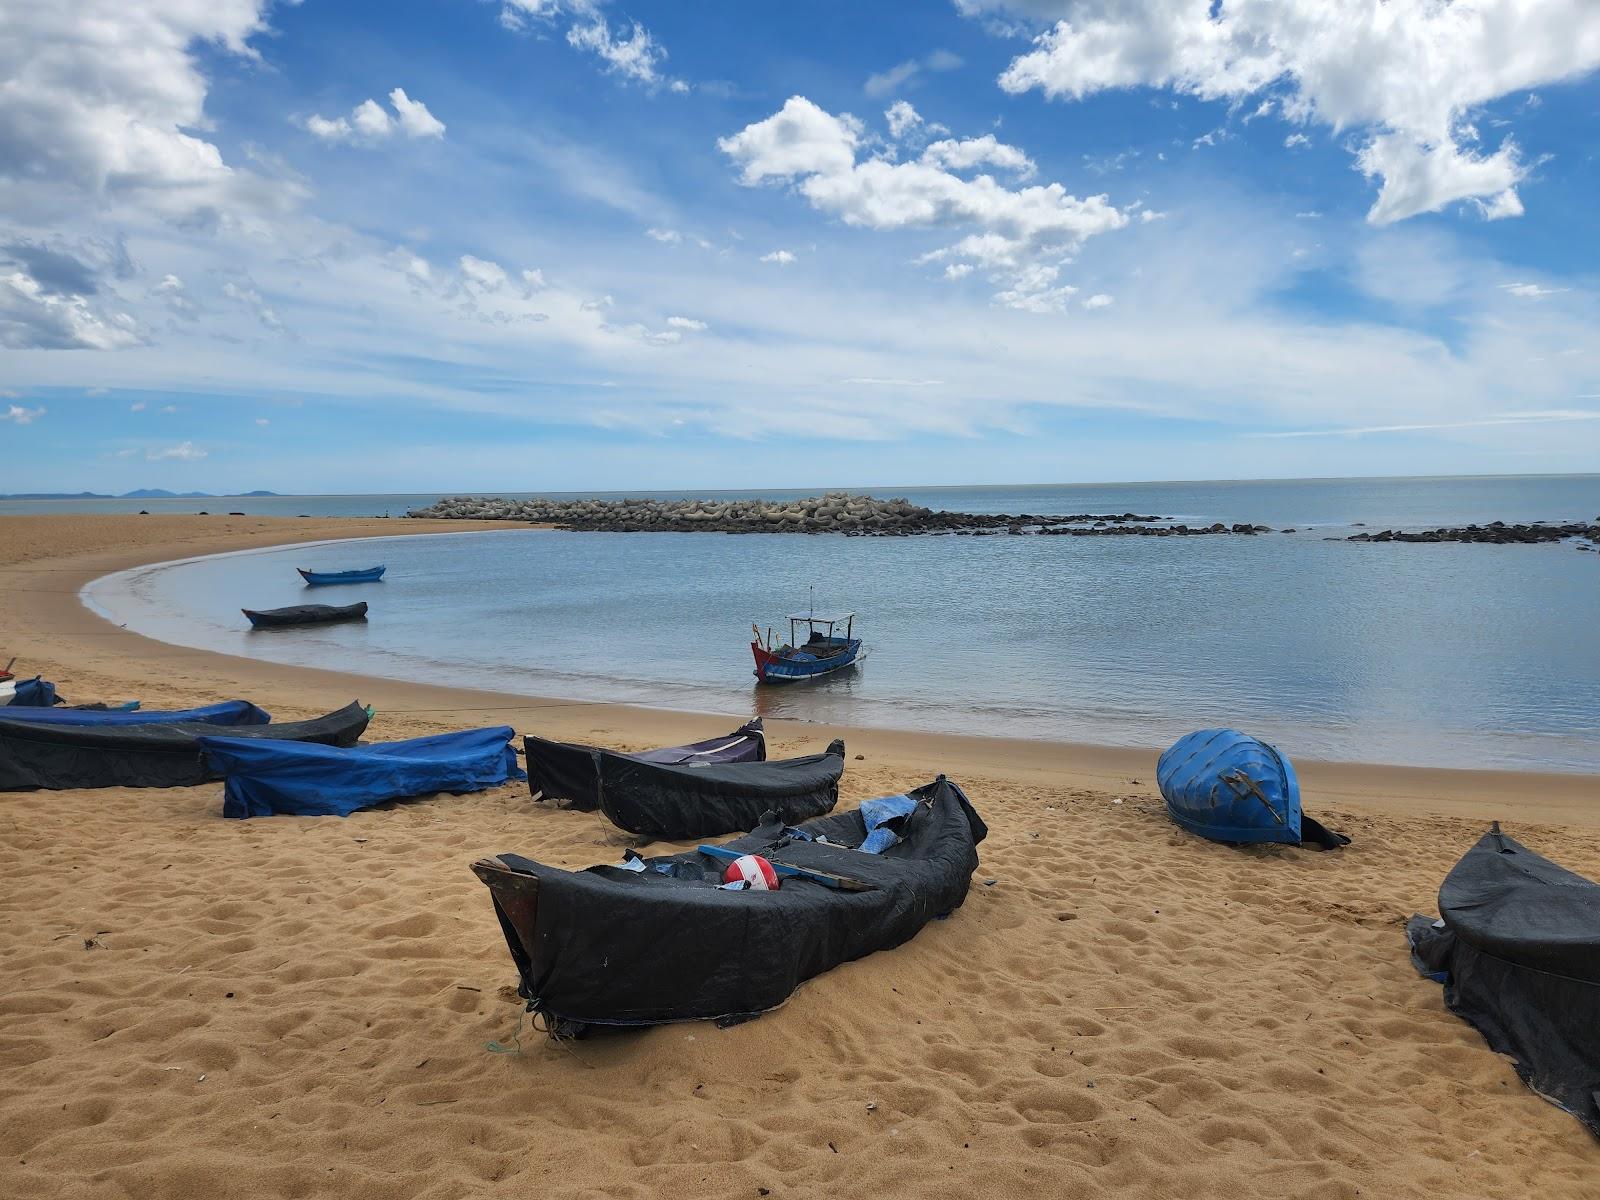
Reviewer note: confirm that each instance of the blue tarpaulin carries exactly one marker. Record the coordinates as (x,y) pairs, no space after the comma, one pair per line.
(229,712)
(264,778)
(33,693)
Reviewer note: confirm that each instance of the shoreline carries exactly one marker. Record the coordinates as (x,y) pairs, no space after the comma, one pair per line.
(84,644)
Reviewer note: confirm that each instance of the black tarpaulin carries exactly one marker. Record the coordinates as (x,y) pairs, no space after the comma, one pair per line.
(568,772)
(617,947)
(1517,948)
(47,755)
(674,802)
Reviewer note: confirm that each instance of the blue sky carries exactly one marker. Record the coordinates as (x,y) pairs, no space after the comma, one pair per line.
(564,244)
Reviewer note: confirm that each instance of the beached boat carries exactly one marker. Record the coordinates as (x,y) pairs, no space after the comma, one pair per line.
(49,754)
(326,578)
(1517,947)
(305,614)
(294,778)
(657,939)
(1231,787)
(36,694)
(822,651)
(677,801)
(229,712)
(569,772)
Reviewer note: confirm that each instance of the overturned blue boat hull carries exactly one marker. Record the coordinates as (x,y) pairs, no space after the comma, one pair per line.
(325,578)
(1230,787)
(310,780)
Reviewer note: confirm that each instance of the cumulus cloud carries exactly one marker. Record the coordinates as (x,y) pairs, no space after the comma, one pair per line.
(985,151)
(1021,236)
(481,275)
(782,257)
(629,50)
(1405,75)
(368,123)
(1098,300)
(688,323)
(137,406)
(247,295)
(670,236)
(103,100)
(34,316)
(909,73)
(18,415)
(182,452)
(902,118)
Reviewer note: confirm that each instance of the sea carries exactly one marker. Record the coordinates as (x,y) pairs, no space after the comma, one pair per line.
(1474,656)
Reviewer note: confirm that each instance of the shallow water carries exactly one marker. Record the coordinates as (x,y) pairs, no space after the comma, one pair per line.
(1449,655)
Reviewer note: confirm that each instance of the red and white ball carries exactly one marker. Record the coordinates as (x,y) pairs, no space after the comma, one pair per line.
(753,870)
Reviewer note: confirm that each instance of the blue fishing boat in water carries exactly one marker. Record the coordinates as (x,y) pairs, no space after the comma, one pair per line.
(823,651)
(324,578)
(1231,787)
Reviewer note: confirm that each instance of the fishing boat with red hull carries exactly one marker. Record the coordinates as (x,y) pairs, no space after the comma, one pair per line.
(823,651)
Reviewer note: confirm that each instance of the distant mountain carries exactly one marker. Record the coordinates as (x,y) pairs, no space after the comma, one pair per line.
(137,494)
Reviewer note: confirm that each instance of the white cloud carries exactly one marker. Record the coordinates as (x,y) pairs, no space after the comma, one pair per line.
(1540,417)
(1296,139)
(35,316)
(902,118)
(782,257)
(909,72)
(182,452)
(175,298)
(248,296)
(263,422)
(533,281)
(103,100)
(18,415)
(1098,300)
(1407,75)
(368,123)
(1020,236)
(415,119)
(1531,291)
(688,323)
(136,406)
(633,53)
(481,275)
(966,153)
(670,236)
(870,381)
(169,409)
(599,305)
(958,270)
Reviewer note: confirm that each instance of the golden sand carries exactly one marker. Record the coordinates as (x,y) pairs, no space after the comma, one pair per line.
(193,1007)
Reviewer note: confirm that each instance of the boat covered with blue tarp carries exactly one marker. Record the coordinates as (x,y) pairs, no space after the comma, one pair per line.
(52,754)
(36,693)
(228,712)
(328,578)
(569,772)
(1231,787)
(266,778)
(652,940)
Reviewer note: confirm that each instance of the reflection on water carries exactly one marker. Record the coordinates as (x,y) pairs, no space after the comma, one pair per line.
(1437,655)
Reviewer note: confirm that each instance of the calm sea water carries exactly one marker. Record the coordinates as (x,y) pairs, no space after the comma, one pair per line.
(1478,656)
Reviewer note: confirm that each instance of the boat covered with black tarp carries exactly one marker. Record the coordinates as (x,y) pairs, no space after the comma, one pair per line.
(659,939)
(569,772)
(1517,947)
(39,754)
(676,801)
(305,614)
(263,778)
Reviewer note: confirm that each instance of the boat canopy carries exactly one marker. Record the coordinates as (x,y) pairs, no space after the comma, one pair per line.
(818,619)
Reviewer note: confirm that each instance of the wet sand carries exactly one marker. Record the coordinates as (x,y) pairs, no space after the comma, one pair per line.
(301,1007)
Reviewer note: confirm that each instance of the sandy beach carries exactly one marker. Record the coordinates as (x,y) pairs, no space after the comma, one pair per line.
(303,1007)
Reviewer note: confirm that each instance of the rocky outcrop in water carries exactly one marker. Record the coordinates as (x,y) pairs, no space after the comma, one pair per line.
(1496,533)
(836,512)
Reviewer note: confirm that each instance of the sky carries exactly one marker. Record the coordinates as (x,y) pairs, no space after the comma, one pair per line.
(494,245)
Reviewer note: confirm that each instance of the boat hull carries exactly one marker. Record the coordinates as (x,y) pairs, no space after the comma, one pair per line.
(776,668)
(305,614)
(1230,787)
(329,578)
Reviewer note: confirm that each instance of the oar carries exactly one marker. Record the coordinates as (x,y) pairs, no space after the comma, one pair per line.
(842,883)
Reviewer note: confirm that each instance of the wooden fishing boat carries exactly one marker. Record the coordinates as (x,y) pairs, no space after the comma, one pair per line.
(305,614)
(660,939)
(822,651)
(327,578)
